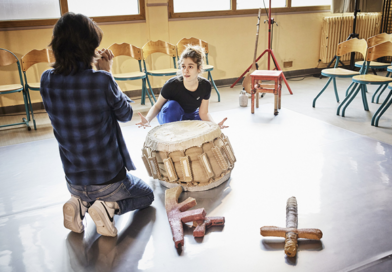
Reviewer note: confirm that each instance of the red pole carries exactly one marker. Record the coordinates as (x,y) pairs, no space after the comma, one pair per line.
(270,54)
(269,34)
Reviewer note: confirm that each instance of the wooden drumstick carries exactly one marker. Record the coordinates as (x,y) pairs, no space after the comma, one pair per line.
(178,213)
(291,233)
(201,226)
(290,245)
(313,234)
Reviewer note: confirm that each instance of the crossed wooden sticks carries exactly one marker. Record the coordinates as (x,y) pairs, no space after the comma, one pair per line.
(178,214)
(291,233)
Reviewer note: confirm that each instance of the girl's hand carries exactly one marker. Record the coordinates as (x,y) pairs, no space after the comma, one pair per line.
(144,122)
(221,124)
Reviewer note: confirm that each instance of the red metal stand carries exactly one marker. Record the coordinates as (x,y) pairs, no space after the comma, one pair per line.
(270,54)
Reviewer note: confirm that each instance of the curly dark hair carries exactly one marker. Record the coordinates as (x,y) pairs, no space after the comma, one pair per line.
(75,38)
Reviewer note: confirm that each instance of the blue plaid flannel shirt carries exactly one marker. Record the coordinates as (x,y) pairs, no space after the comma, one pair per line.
(84,109)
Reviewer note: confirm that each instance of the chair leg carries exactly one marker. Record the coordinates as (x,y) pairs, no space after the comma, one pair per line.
(326,85)
(276,102)
(143,97)
(349,88)
(364,98)
(26,102)
(213,84)
(31,108)
(152,93)
(336,90)
(379,95)
(347,96)
(280,92)
(374,118)
(252,108)
(351,99)
(378,89)
(145,91)
(382,112)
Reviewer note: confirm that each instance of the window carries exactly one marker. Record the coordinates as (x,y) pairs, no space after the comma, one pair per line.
(308,3)
(252,4)
(93,8)
(30,9)
(206,8)
(202,5)
(27,13)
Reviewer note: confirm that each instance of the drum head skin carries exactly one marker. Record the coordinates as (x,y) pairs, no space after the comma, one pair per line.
(181,135)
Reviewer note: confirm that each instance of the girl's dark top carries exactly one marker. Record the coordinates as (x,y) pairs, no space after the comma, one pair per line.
(174,89)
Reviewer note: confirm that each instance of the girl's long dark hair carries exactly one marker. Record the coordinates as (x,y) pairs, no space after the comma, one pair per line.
(75,38)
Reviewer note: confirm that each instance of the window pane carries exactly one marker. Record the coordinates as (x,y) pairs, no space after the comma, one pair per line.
(304,3)
(96,8)
(201,5)
(29,9)
(255,4)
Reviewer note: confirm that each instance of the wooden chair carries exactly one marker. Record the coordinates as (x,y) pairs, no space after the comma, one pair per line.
(259,76)
(360,81)
(159,46)
(352,45)
(31,58)
(372,41)
(129,50)
(374,65)
(207,68)
(8,58)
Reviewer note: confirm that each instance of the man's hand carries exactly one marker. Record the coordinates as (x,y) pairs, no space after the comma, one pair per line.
(144,122)
(221,124)
(105,60)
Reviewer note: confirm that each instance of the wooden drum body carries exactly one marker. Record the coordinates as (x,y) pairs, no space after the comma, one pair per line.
(194,154)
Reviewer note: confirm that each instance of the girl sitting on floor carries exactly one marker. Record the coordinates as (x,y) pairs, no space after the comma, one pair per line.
(186,96)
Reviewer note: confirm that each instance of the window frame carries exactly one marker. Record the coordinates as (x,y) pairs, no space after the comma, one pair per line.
(234,11)
(64,9)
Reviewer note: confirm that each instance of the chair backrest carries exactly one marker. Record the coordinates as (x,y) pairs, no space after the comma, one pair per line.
(352,45)
(379,50)
(159,46)
(126,49)
(193,41)
(7,57)
(380,38)
(37,56)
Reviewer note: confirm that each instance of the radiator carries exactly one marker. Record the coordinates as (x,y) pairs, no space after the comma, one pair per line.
(336,29)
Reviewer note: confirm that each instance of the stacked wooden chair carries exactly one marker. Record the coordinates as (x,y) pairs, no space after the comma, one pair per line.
(124,49)
(8,58)
(372,41)
(360,81)
(129,50)
(156,47)
(352,45)
(30,59)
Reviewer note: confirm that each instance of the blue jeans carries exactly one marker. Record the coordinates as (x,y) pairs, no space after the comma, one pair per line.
(172,111)
(131,193)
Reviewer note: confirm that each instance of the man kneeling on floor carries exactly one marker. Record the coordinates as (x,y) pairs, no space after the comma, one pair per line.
(84,107)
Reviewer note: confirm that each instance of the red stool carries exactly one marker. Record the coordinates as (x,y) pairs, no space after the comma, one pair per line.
(276,89)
